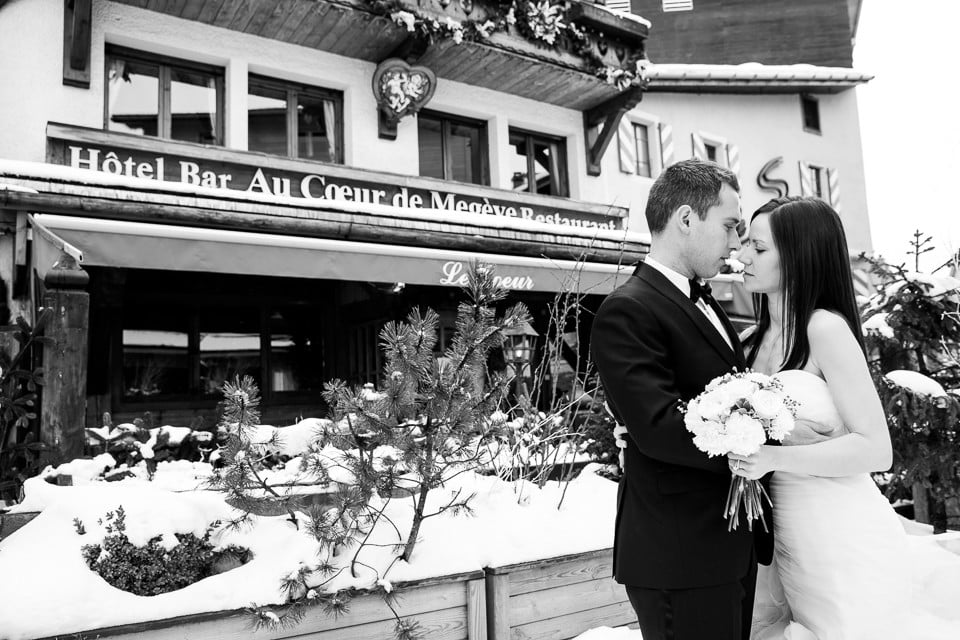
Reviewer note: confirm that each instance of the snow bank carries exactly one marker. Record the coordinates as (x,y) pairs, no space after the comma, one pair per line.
(512,523)
(916,382)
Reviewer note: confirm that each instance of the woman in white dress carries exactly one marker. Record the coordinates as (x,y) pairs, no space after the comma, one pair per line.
(844,568)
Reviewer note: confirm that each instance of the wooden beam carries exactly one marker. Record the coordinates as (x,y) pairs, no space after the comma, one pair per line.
(610,24)
(76,43)
(607,116)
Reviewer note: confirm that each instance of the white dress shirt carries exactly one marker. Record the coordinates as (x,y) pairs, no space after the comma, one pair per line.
(682,283)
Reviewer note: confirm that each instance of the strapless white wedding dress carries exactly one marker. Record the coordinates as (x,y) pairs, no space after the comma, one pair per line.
(844,567)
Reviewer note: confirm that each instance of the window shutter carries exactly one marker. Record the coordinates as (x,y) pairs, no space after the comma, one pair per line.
(699,150)
(733,158)
(666,145)
(806,180)
(628,146)
(833,180)
(619,5)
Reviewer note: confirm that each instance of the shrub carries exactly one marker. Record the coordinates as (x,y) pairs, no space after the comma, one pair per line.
(153,568)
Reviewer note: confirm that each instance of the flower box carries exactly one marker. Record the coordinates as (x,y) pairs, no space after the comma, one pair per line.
(446,608)
(556,598)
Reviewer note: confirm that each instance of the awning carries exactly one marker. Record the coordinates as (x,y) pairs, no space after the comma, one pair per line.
(138,245)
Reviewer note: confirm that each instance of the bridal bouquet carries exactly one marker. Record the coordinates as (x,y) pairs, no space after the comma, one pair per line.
(737,413)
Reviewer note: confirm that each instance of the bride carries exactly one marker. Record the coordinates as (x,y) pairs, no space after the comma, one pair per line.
(844,568)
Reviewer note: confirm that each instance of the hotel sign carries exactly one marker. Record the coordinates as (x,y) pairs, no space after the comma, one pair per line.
(339,184)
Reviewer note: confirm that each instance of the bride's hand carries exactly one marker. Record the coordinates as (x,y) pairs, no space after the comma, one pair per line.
(753,467)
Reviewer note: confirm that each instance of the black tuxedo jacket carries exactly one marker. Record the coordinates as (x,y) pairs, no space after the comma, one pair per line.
(653,349)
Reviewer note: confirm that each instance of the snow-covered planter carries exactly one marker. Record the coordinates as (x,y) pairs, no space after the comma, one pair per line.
(444,608)
(555,598)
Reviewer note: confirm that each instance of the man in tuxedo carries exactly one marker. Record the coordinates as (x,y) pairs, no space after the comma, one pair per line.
(657,341)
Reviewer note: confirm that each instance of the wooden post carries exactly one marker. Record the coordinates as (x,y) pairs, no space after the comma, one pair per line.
(498,606)
(476,610)
(65,360)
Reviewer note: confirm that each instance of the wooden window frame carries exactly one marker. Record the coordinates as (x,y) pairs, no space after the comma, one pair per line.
(533,136)
(164,65)
(293,90)
(446,121)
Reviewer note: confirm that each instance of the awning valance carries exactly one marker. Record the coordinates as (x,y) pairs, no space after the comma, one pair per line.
(138,245)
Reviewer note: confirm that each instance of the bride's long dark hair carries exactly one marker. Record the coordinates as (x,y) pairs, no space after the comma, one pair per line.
(814,273)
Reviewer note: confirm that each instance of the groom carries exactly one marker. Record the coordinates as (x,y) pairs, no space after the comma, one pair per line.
(657,341)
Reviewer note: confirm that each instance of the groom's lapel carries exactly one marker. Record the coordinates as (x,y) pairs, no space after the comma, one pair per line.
(732,334)
(666,288)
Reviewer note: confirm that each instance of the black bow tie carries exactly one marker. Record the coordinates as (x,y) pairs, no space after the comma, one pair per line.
(700,290)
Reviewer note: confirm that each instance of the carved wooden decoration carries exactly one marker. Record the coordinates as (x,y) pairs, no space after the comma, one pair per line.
(400,90)
(607,117)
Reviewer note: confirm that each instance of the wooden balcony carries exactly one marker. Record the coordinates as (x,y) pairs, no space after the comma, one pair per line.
(506,61)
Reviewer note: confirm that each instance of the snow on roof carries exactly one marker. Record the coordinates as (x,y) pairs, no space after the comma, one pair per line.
(21,169)
(756,73)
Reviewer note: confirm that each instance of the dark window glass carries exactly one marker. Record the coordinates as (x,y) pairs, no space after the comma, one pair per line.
(296,350)
(452,148)
(294,120)
(430,135)
(641,139)
(539,164)
(158,96)
(267,120)
(193,106)
(711,151)
(155,362)
(816,181)
(228,346)
(811,113)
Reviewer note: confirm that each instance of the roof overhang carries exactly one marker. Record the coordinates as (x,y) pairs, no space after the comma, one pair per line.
(752,78)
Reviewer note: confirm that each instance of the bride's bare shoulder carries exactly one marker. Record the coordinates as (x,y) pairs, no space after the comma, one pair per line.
(828,329)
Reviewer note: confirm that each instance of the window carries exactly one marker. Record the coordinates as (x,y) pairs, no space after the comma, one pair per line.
(452,148)
(158,96)
(810,108)
(293,120)
(676,5)
(539,163)
(618,5)
(817,182)
(708,146)
(713,151)
(187,353)
(641,137)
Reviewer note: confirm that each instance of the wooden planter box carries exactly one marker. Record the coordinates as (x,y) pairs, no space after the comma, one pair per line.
(447,608)
(555,599)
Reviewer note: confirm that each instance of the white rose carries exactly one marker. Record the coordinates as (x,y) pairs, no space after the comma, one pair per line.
(782,425)
(711,440)
(738,389)
(745,434)
(767,404)
(712,406)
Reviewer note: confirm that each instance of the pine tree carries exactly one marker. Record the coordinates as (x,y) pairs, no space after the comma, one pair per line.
(431,408)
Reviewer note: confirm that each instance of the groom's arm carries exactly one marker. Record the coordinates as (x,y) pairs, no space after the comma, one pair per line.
(629,349)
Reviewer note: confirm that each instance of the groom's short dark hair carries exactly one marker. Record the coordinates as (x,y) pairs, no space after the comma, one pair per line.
(692,182)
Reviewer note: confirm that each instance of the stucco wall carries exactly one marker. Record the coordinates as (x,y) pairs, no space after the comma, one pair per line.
(762,126)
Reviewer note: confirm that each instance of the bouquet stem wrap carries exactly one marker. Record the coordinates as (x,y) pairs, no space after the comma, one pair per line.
(748,496)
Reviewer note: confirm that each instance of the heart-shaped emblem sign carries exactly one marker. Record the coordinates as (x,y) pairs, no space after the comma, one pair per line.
(401,89)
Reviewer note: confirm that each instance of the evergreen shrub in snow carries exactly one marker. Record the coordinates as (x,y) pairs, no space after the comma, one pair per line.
(160,565)
(912,324)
